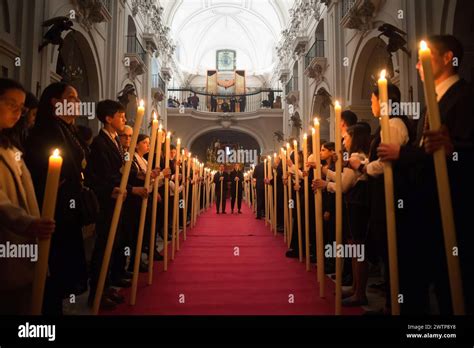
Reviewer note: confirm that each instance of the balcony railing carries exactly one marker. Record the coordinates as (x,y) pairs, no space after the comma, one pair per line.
(135,47)
(107,4)
(291,85)
(158,82)
(346,6)
(317,50)
(248,102)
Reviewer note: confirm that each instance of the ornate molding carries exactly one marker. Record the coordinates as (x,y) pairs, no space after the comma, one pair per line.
(360,16)
(316,68)
(90,12)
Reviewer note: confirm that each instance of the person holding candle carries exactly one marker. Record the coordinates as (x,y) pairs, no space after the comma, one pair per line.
(258,176)
(278,166)
(401,133)
(55,129)
(220,179)
(103,172)
(423,243)
(354,186)
(236,178)
(19,210)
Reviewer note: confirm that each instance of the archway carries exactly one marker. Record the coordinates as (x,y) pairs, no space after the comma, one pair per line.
(321,108)
(77,67)
(205,145)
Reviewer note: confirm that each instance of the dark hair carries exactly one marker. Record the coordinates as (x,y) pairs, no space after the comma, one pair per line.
(108,107)
(9,84)
(360,135)
(8,136)
(31,102)
(349,117)
(446,43)
(141,137)
(393,93)
(45,112)
(330,146)
(84,132)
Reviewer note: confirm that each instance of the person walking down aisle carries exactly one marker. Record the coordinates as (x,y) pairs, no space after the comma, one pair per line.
(236,178)
(220,179)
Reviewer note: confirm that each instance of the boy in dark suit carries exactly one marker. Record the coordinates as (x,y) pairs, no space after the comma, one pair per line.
(221,177)
(421,244)
(103,174)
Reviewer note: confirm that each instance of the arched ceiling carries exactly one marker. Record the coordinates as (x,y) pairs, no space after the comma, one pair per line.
(250,27)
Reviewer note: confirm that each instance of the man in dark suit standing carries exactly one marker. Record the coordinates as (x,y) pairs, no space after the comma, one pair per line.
(232,104)
(421,245)
(258,175)
(103,175)
(220,179)
(236,178)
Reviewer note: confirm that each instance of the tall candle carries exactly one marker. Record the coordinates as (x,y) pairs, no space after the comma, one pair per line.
(47,211)
(167,149)
(318,206)
(442,183)
(175,230)
(141,224)
(165,218)
(118,208)
(337,111)
(306,201)
(297,174)
(305,150)
(154,206)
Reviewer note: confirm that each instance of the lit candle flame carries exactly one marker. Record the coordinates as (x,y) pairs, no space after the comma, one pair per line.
(142,103)
(382,74)
(169,135)
(56,152)
(316,121)
(295,143)
(423,45)
(179,141)
(336,104)
(313,130)
(154,116)
(305,136)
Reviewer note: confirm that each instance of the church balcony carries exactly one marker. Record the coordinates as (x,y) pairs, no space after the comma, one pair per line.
(166,72)
(179,100)
(315,62)
(135,56)
(359,14)
(151,41)
(283,74)
(292,91)
(299,44)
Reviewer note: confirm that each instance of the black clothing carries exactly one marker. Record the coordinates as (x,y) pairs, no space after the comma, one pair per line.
(217,181)
(234,174)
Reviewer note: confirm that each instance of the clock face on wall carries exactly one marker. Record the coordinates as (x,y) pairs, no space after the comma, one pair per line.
(225,60)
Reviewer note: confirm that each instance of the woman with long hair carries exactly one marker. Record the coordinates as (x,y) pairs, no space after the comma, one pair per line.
(55,129)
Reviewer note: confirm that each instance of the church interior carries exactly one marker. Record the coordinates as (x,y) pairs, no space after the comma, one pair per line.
(284,159)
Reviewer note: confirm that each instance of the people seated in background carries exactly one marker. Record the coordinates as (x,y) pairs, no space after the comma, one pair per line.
(277,103)
(194,102)
(170,102)
(225,106)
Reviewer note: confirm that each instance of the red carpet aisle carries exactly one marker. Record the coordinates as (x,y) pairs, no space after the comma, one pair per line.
(214,281)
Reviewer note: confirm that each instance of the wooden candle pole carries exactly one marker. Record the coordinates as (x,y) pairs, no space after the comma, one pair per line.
(285,197)
(193,210)
(47,211)
(175,233)
(337,141)
(266,190)
(185,192)
(188,172)
(270,192)
(167,198)
(298,203)
(318,206)
(290,198)
(389,197)
(144,207)
(117,210)
(236,192)
(306,201)
(442,183)
(154,208)
(275,178)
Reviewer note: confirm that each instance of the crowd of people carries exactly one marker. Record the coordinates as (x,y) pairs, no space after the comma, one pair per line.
(90,178)
(92,170)
(422,258)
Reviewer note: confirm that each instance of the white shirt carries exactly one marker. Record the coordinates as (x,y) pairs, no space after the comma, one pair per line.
(443,87)
(349,176)
(398,135)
